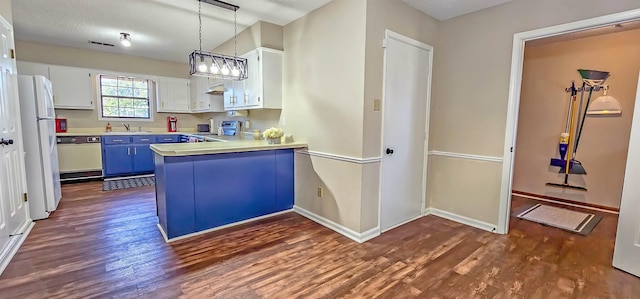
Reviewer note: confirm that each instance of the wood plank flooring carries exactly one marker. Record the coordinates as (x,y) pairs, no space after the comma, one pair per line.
(106,245)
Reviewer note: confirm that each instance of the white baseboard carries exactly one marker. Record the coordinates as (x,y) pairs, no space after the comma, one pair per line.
(462,219)
(12,248)
(164,234)
(403,222)
(358,237)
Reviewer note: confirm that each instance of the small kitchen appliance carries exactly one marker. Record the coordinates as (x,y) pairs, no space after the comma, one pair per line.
(172,124)
(203,128)
(61,125)
(231,128)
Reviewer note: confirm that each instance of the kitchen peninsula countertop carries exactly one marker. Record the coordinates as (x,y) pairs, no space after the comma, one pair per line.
(229,145)
(115,133)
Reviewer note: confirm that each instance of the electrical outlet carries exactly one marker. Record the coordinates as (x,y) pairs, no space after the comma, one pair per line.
(377,104)
(320,191)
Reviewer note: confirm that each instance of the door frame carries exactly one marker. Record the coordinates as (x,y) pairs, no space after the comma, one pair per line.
(515,84)
(388,34)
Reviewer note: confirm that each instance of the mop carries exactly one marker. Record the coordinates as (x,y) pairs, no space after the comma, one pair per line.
(576,166)
(566,144)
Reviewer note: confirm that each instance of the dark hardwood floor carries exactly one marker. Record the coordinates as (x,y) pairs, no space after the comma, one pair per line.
(107,245)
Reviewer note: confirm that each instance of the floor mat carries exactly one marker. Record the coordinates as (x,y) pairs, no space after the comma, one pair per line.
(128,183)
(573,221)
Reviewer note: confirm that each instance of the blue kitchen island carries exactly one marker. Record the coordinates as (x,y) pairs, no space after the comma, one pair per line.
(207,186)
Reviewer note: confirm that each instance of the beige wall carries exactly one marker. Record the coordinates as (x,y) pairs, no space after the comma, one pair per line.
(44,53)
(332,76)
(471,85)
(5,10)
(548,70)
(323,100)
(465,187)
(396,16)
(324,77)
(260,34)
(84,119)
(341,184)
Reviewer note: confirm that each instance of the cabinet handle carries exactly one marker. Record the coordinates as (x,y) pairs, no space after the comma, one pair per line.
(118,140)
(135,151)
(144,139)
(258,99)
(128,151)
(168,139)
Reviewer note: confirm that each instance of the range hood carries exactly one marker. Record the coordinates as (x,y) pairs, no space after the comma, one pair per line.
(216,89)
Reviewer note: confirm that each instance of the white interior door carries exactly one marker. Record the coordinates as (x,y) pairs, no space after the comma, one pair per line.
(626,255)
(406,102)
(13,210)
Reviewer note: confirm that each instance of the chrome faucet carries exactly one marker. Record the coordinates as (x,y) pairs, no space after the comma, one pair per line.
(128,126)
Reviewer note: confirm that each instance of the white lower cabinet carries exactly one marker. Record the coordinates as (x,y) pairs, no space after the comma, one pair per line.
(173,95)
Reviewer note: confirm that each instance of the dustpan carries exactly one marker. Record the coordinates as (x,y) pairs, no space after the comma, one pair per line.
(605,105)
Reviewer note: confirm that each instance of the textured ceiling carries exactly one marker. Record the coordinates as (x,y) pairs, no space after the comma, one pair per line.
(447,9)
(161,29)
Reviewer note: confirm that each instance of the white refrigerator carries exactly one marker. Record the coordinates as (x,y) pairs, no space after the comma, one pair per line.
(40,145)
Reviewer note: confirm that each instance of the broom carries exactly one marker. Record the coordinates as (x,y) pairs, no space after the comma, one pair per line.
(567,166)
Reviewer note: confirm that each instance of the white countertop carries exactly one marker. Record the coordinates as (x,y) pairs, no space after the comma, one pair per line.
(232,145)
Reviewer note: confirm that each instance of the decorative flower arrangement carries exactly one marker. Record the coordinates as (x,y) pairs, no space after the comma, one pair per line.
(273,133)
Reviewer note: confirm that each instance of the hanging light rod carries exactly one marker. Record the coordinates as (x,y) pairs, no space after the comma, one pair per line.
(221,4)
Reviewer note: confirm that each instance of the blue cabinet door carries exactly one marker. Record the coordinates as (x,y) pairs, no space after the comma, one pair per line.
(117,159)
(233,187)
(142,158)
(284,179)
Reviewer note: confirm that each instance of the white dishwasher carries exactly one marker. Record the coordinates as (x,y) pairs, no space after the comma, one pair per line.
(80,157)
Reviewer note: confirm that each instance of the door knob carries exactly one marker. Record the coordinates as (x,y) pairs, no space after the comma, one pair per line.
(389,151)
(6,141)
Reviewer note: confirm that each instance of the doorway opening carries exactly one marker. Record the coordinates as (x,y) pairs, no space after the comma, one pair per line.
(594,131)
(542,71)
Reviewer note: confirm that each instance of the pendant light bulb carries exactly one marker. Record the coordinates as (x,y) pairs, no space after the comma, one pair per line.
(235,71)
(225,70)
(214,68)
(202,67)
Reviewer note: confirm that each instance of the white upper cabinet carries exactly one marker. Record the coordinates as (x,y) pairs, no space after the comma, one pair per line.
(201,101)
(72,87)
(262,88)
(173,95)
(234,95)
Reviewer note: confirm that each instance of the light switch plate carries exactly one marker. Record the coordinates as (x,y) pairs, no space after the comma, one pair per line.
(377,104)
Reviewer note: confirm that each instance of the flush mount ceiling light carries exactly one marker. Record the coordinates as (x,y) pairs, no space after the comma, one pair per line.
(212,65)
(125,39)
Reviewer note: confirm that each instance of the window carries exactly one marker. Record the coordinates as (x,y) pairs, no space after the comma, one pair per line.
(124,97)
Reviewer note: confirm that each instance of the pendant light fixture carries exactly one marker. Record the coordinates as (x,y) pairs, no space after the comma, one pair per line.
(212,65)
